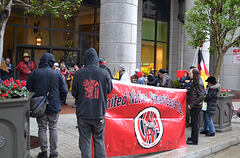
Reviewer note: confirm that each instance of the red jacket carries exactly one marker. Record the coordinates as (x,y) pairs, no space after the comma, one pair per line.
(24,70)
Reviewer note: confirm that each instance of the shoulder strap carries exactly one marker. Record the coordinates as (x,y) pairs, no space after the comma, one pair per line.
(50,85)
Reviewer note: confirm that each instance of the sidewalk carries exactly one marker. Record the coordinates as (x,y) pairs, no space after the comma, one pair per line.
(68,140)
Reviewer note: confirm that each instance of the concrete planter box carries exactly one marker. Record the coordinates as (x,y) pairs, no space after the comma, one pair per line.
(14,128)
(223,116)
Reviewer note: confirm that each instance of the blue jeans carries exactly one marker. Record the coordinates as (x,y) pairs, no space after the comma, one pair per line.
(208,123)
(86,128)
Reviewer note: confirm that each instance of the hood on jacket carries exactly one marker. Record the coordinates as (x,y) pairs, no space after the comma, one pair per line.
(47,60)
(215,86)
(90,57)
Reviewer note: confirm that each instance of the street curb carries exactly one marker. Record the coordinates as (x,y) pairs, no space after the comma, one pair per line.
(212,149)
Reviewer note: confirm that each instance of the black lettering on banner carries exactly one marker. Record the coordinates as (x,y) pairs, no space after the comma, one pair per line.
(131,98)
(124,100)
(119,100)
(179,109)
(135,99)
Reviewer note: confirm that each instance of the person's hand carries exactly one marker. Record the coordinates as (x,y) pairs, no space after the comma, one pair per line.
(189,107)
(30,72)
(187,81)
(9,68)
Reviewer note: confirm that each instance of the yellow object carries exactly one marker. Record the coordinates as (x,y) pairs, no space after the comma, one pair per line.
(71,83)
(117,76)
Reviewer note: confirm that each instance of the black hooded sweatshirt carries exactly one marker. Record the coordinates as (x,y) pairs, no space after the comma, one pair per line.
(90,88)
(39,80)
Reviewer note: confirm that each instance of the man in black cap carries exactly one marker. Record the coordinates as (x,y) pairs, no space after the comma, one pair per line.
(102,64)
(163,79)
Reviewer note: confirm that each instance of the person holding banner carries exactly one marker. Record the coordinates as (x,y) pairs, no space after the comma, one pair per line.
(196,96)
(122,74)
(163,79)
(90,88)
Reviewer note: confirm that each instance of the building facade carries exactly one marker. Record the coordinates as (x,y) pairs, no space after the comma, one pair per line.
(146,34)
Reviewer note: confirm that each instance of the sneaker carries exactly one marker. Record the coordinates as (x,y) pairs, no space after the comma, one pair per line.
(42,154)
(54,155)
(74,106)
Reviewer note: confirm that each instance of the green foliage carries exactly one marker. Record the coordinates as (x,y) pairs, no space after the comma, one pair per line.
(9,89)
(216,21)
(54,7)
(176,84)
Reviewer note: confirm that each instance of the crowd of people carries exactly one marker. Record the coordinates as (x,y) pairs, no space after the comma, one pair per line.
(90,83)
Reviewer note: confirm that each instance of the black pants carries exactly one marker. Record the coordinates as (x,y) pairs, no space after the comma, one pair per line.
(195,116)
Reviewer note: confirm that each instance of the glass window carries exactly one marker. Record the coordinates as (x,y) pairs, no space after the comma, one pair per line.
(163,12)
(162,31)
(65,39)
(8,43)
(18,17)
(38,53)
(87,42)
(58,55)
(82,20)
(30,36)
(161,56)
(148,29)
(149,8)
(147,58)
(98,20)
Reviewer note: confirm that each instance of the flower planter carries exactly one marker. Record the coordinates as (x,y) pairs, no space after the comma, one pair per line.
(14,127)
(223,116)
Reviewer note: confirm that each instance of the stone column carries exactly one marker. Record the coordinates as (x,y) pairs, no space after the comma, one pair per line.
(190,54)
(118,33)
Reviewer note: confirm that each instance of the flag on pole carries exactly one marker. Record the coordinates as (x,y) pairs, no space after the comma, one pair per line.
(202,67)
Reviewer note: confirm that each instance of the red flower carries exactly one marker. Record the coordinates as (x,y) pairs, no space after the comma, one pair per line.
(223,89)
(4,95)
(227,90)
(9,92)
(15,85)
(18,82)
(23,83)
(7,81)
(11,80)
(7,84)
(4,82)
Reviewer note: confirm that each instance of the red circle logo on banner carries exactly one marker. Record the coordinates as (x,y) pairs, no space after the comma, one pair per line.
(148,127)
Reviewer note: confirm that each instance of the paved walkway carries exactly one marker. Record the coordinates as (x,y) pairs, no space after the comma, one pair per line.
(68,140)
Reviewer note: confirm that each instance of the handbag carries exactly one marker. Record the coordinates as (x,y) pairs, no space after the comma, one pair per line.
(38,104)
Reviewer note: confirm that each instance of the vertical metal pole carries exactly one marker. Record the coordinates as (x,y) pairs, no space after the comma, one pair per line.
(51,34)
(15,51)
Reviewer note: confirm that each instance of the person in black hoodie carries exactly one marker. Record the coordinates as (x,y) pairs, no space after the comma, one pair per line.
(38,81)
(90,88)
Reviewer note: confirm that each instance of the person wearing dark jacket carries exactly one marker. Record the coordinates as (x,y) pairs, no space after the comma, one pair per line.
(102,64)
(196,96)
(38,81)
(7,75)
(211,98)
(90,88)
(151,77)
(163,79)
